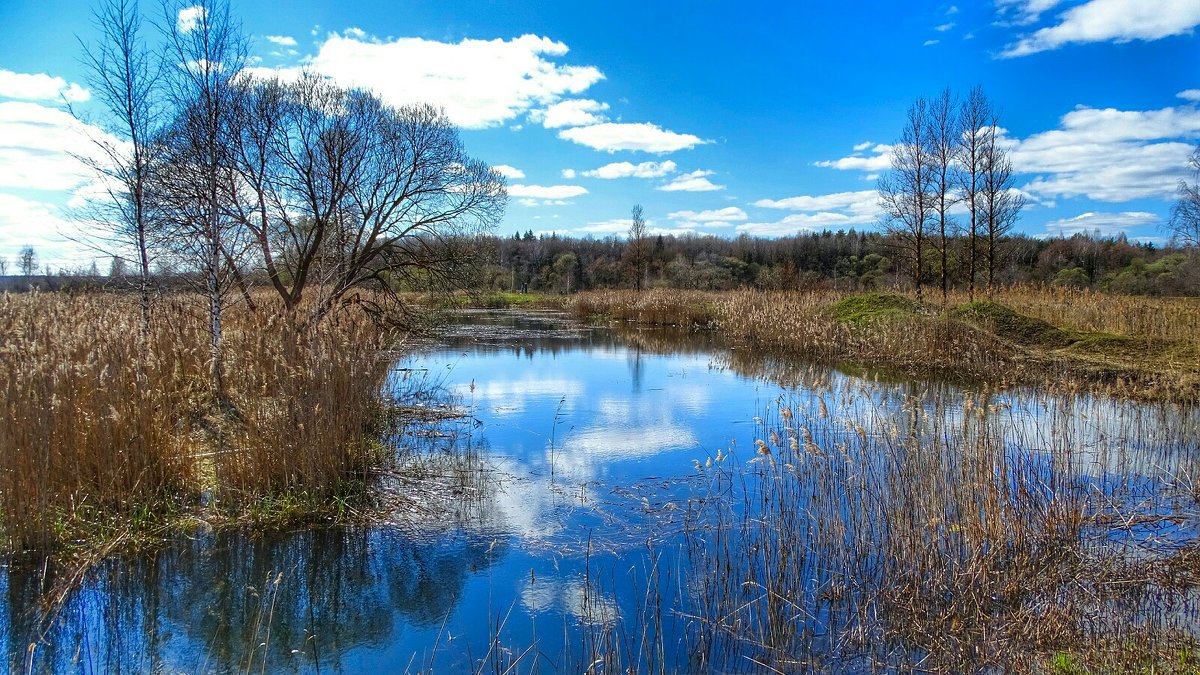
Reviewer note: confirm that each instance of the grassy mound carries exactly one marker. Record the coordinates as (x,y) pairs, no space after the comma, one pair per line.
(1014,326)
(858,309)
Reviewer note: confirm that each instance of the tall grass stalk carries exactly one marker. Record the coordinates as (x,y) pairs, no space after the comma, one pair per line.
(109,430)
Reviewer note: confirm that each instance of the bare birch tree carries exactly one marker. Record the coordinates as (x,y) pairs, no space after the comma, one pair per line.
(124,77)
(975,126)
(207,49)
(1002,203)
(905,192)
(1185,216)
(942,137)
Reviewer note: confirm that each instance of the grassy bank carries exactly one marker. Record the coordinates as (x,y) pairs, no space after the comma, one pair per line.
(1130,346)
(109,432)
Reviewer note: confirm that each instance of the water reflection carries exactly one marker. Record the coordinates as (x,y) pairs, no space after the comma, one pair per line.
(553,513)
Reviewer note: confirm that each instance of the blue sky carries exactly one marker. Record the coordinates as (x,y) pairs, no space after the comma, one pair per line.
(766,119)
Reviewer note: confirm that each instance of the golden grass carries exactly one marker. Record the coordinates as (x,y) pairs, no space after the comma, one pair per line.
(107,430)
(1133,346)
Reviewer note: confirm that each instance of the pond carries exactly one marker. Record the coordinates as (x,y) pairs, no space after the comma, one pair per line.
(607,499)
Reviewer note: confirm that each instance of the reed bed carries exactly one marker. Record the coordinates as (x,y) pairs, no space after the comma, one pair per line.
(977,535)
(1139,347)
(109,429)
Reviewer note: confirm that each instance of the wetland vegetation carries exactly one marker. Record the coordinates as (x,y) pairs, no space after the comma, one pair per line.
(314,421)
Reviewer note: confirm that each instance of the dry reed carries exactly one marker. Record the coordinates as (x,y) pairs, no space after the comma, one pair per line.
(108,429)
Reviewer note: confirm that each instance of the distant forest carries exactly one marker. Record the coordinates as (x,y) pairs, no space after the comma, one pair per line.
(845,260)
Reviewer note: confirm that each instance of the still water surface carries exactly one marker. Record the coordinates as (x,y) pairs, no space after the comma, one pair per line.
(557,500)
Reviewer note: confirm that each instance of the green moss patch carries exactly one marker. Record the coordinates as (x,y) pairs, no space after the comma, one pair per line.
(1014,326)
(858,309)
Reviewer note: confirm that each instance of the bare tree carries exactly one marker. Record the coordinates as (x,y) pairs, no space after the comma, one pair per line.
(124,77)
(340,190)
(943,137)
(27,262)
(1002,203)
(1185,216)
(905,193)
(637,244)
(208,49)
(975,127)
(3,266)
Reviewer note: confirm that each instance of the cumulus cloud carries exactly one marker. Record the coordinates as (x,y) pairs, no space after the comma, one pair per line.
(480,83)
(282,40)
(38,147)
(880,159)
(864,202)
(612,226)
(40,87)
(546,191)
(1111,21)
(1110,155)
(692,221)
(727,214)
(839,210)
(1107,224)
(1190,95)
(695,181)
(569,174)
(189,18)
(29,222)
(508,171)
(571,113)
(631,170)
(643,136)
(1101,153)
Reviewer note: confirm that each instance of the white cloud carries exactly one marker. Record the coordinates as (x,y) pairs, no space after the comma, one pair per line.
(613,136)
(880,159)
(859,147)
(508,171)
(282,40)
(930,43)
(1024,12)
(1110,155)
(26,222)
(863,202)
(189,18)
(571,113)
(1107,224)
(38,146)
(613,226)
(693,221)
(1111,21)
(695,181)
(797,223)
(480,83)
(630,170)
(40,87)
(1190,95)
(569,174)
(944,27)
(546,191)
(840,210)
(727,214)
